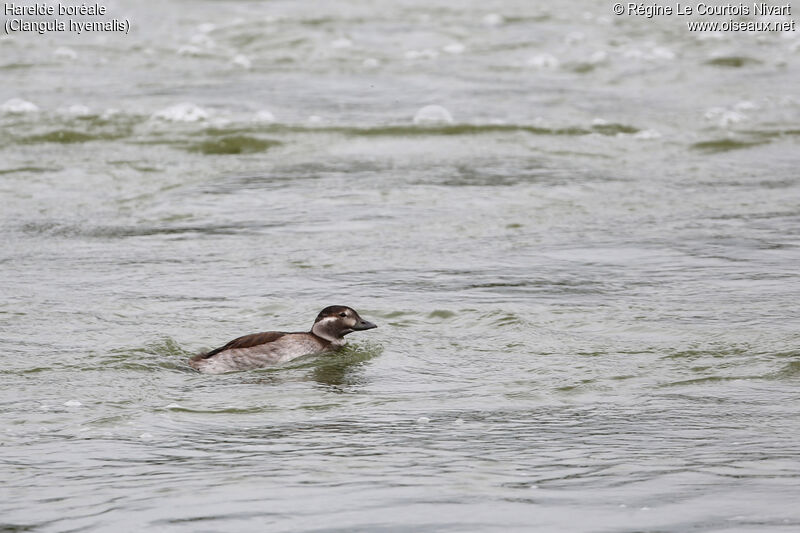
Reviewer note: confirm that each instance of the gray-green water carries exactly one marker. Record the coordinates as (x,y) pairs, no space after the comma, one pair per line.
(586,283)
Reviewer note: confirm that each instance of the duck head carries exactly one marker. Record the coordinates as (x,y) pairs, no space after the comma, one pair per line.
(336,321)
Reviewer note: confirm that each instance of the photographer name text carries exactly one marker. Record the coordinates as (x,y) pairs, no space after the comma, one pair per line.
(735,10)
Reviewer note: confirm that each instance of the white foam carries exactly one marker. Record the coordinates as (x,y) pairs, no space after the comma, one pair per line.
(423,420)
(598,57)
(493,20)
(433,114)
(543,61)
(190,50)
(266,116)
(342,42)
(18,106)
(174,406)
(574,37)
(202,39)
(454,48)
(72,403)
(242,60)
(185,112)
(745,105)
(724,117)
(647,135)
(66,53)
(146,436)
(427,53)
(660,52)
(76,110)
(371,62)
(710,36)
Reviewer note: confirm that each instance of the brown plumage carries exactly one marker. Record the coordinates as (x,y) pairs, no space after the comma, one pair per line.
(246,341)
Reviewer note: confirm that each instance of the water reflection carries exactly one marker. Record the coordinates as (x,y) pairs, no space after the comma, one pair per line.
(344,371)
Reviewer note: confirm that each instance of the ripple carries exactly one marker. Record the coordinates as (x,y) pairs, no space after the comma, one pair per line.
(725,145)
(234,144)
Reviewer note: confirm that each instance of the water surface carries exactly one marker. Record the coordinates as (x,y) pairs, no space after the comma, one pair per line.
(586,282)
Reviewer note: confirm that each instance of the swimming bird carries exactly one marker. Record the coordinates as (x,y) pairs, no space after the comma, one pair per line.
(260,350)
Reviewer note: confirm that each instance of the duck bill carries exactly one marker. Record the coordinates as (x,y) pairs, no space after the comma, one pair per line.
(364,324)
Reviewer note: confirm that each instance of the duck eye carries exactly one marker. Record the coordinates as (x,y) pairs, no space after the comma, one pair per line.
(343,315)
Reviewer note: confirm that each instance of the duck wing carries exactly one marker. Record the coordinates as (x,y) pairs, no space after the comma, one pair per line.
(247,341)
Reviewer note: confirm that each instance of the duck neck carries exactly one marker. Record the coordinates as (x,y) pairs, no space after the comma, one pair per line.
(322,330)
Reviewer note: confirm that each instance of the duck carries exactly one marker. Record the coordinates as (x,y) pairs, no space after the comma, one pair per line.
(269,348)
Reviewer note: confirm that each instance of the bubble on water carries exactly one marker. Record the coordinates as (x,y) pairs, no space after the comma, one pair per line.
(493,20)
(633,53)
(266,116)
(241,60)
(433,114)
(146,436)
(342,42)
(454,48)
(598,57)
(458,422)
(190,50)
(574,37)
(423,420)
(65,53)
(647,135)
(371,62)
(660,52)
(174,406)
(185,112)
(653,53)
(18,106)
(76,110)
(427,53)
(745,105)
(202,39)
(710,36)
(543,61)
(72,403)
(724,117)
